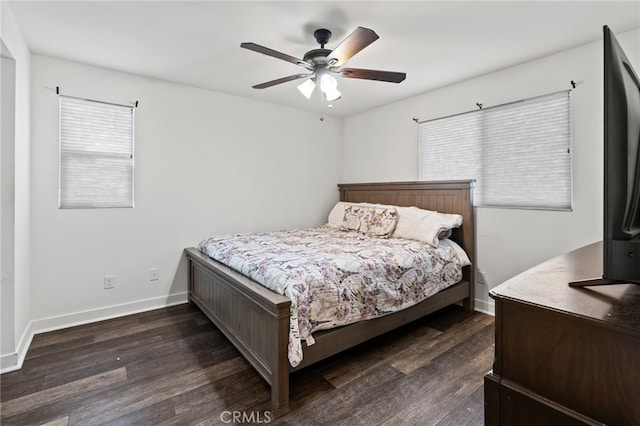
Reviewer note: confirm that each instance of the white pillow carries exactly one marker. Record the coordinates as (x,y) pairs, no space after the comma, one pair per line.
(336,214)
(425,225)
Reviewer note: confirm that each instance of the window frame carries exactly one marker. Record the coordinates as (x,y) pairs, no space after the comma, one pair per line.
(101,123)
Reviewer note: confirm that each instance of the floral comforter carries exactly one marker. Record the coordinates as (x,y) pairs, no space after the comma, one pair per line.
(336,277)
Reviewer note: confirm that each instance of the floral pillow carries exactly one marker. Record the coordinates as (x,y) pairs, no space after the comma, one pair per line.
(374,221)
(352,217)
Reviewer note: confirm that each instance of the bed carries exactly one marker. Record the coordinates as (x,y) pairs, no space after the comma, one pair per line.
(256,319)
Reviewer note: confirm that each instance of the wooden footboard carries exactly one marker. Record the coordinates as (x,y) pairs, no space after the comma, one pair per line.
(256,320)
(253,318)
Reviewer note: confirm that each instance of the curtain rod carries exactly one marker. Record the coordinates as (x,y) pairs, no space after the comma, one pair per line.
(132,104)
(479,105)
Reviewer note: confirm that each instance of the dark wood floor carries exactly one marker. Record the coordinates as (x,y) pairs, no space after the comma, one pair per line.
(172,366)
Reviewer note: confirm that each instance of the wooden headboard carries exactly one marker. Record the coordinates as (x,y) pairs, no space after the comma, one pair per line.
(443,196)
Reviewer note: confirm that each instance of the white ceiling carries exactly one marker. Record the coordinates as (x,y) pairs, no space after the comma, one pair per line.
(198,43)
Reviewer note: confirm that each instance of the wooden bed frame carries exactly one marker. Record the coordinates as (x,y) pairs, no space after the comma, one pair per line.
(256,320)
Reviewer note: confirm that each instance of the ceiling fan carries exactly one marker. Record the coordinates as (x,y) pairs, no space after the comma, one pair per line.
(322,63)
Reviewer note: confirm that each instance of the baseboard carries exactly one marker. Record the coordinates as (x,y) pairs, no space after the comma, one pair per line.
(9,362)
(94,315)
(13,361)
(485,306)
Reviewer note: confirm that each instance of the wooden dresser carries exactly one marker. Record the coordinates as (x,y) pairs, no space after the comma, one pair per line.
(565,355)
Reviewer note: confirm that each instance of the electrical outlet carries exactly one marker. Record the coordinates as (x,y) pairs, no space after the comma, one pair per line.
(109,282)
(480,279)
(153,274)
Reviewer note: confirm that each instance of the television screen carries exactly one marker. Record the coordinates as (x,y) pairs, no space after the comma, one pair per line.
(622,136)
(631,218)
(622,164)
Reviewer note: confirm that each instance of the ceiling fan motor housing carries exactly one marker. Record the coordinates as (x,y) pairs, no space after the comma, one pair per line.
(316,57)
(322,36)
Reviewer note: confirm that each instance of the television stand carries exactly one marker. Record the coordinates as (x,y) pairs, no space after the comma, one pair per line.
(565,355)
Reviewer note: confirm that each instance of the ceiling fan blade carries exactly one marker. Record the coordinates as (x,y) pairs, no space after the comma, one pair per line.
(280,80)
(390,76)
(356,41)
(275,54)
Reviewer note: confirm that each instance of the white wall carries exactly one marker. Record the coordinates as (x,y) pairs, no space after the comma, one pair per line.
(205,163)
(382,145)
(15,293)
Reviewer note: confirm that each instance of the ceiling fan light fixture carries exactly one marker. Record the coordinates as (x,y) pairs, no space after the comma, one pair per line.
(333,95)
(328,83)
(329,86)
(307,88)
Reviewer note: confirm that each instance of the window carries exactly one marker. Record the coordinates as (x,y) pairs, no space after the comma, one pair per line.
(519,153)
(96,154)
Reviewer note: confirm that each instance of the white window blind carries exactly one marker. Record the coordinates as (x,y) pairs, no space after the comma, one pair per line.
(519,153)
(96,154)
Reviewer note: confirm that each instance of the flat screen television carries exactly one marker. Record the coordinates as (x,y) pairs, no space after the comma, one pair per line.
(621,242)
